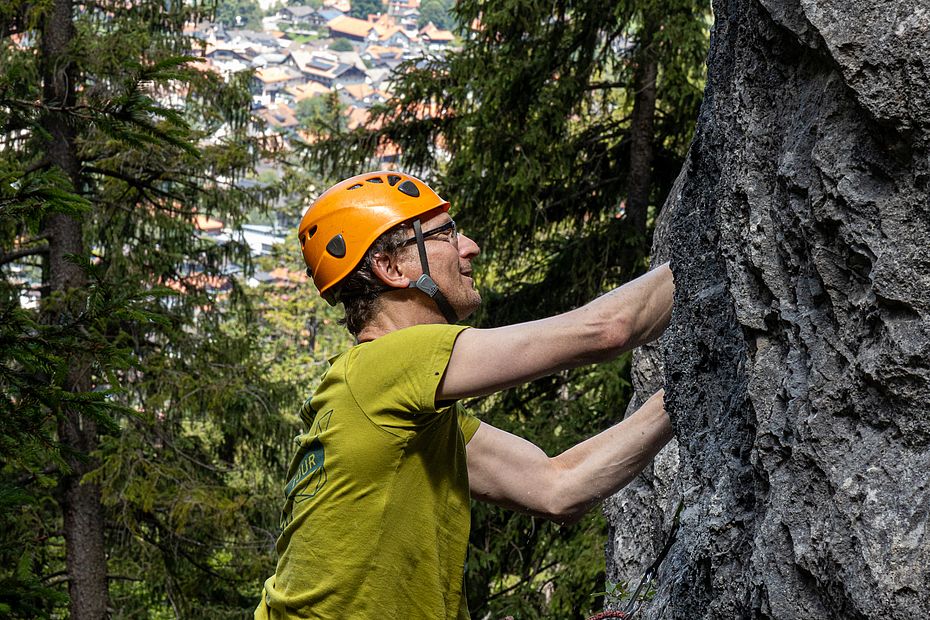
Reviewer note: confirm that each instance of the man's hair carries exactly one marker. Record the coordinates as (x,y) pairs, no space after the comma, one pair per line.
(360,291)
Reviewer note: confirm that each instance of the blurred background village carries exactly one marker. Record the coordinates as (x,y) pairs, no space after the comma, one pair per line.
(306,59)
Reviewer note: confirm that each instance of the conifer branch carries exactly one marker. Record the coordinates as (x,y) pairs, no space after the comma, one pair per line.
(606,85)
(143,186)
(170,551)
(56,578)
(15,255)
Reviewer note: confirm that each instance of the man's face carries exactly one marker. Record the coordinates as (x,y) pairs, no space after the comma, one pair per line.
(450,254)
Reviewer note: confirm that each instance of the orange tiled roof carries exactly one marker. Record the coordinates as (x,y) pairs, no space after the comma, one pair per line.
(307,136)
(359,91)
(204,66)
(350,26)
(278,116)
(284,276)
(198,281)
(306,91)
(270,75)
(383,21)
(383,50)
(207,223)
(426,110)
(434,33)
(386,33)
(387,149)
(355,117)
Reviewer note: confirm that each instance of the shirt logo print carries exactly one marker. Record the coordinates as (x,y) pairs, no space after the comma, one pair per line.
(310,476)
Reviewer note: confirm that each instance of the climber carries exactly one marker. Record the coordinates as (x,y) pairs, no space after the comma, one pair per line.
(376,515)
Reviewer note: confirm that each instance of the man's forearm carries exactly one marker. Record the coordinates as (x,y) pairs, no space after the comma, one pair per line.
(643,305)
(600,466)
(657,305)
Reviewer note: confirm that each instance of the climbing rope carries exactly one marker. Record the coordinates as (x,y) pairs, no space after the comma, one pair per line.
(636,602)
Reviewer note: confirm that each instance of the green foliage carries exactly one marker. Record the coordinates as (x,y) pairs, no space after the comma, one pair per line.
(29,447)
(341,45)
(322,115)
(363,8)
(439,12)
(22,593)
(526,131)
(239,14)
(620,595)
(189,425)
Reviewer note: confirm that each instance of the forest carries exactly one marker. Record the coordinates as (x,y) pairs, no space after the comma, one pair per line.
(151,374)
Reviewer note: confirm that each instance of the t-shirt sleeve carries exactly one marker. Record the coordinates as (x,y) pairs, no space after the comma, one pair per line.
(397,375)
(467,422)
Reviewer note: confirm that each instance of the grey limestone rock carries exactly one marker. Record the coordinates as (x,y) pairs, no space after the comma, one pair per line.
(797,364)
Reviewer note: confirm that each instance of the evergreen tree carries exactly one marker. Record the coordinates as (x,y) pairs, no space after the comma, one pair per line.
(341,45)
(239,14)
(361,9)
(555,132)
(439,12)
(138,423)
(322,114)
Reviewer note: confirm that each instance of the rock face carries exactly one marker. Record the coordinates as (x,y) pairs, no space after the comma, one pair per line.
(797,364)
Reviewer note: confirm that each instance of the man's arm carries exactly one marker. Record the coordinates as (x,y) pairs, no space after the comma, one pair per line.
(487,360)
(509,471)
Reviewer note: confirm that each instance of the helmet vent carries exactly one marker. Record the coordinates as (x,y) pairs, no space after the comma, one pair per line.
(407,187)
(306,236)
(374,180)
(356,186)
(337,246)
(393,179)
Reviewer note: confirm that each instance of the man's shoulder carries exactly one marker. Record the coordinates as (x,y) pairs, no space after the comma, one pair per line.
(398,372)
(404,347)
(424,331)
(415,338)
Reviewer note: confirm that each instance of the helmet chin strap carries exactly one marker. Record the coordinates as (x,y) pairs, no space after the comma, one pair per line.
(426,284)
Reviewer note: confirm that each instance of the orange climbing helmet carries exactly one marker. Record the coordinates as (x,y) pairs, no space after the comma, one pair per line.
(340,226)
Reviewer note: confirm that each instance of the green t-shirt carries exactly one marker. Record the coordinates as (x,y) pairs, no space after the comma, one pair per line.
(376,517)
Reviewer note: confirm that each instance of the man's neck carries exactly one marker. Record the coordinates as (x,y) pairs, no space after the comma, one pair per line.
(398,311)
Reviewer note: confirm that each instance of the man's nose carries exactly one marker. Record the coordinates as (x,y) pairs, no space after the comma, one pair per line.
(467,247)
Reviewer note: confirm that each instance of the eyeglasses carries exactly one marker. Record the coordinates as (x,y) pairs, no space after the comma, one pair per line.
(448,226)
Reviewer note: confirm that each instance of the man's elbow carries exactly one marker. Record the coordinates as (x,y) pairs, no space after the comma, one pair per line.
(569,511)
(566,517)
(566,503)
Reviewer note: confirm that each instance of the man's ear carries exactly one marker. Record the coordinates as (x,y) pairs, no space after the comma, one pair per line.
(387,268)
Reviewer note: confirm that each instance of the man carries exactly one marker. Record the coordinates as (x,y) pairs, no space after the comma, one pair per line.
(376,517)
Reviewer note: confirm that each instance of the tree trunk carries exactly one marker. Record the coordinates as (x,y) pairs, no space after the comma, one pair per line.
(796,362)
(80,502)
(641,130)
